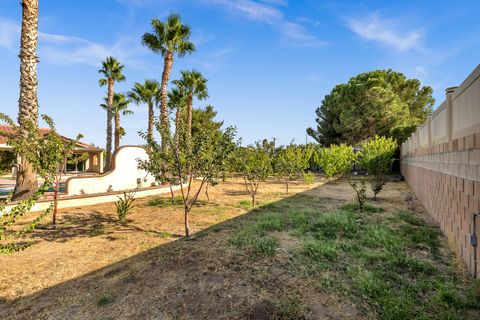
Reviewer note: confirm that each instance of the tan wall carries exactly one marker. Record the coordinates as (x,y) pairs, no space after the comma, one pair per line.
(441,163)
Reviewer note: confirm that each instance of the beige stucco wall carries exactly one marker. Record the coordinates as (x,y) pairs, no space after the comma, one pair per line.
(466,106)
(125,175)
(438,125)
(444,172)
(423,135)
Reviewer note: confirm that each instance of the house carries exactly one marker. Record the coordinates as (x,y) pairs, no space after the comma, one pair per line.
(93,164)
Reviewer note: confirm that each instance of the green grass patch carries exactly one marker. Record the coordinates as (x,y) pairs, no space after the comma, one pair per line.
(245,204)
(270,222)
(164,202)
(388,262)
(410,218)
(320,250)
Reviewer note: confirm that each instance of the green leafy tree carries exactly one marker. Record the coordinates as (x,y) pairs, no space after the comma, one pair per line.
(119,106)
(381,102)
(201,159)
(255,164)
(204,118)
(168,38)
(337,162)
(148,93)
(377,158)
(7,159)
(48,154)
(291,162)
(112,71)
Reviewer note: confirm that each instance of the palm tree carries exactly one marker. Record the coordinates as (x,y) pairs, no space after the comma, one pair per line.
(177,100)
(119,105)
(149,93)
(26,183)
(168,38)
(112,71)
(194,85)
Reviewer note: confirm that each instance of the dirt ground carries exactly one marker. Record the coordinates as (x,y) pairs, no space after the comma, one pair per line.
(92,267)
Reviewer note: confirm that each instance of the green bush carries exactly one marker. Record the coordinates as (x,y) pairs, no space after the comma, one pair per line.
(336,161)
(308,178)
(377,158)
(124,205)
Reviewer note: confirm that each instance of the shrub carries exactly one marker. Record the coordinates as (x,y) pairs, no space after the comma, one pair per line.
(308,178)
(124,205)
(377,158)
(336,161)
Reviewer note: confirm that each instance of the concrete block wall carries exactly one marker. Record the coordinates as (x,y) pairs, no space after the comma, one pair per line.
(443,170)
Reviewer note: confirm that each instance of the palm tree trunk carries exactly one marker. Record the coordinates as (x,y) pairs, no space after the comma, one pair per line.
(167,68)
(117,130)
(177,130)
(150,120)
(189,127)
(27,183)
(189,121)
(108,159)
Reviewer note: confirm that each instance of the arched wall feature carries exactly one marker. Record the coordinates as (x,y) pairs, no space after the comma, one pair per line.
(125,175)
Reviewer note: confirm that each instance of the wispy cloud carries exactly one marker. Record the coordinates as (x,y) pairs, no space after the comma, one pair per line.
(9,32)
(66,50)
(267,13)
(375,28)
(212,60)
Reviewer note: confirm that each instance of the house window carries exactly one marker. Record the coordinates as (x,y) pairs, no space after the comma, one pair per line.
(95,160)
(77,166)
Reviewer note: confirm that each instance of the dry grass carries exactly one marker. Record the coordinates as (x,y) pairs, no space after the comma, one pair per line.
(93,267)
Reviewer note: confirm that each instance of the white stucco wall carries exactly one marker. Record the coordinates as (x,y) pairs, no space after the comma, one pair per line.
(124,176)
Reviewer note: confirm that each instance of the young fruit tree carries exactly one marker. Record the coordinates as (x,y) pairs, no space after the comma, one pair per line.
(46,153)
(337,162)
(291,162)
(190,164)
(377,158)
(255,166)
(50,155)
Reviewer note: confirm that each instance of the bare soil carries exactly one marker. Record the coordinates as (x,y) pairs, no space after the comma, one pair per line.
(93,267)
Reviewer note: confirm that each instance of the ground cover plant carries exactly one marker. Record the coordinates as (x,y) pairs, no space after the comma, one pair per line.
(386,261)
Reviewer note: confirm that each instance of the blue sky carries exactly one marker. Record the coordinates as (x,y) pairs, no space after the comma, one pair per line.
(269,63)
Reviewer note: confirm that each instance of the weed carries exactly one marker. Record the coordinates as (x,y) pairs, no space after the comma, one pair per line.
(104,299)
(124,205)
(380,236)
(165,202)
(266,245)
(270,222)
(353,207)
(96,231)
(245,204)
(335,225)
(320,250)
(408,217)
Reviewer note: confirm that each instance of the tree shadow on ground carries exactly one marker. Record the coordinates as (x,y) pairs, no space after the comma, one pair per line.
(202,277)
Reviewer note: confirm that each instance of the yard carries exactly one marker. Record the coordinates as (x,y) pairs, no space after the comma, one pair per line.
(306,255)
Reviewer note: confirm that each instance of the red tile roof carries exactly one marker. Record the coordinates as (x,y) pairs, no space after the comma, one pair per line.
(10,131)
